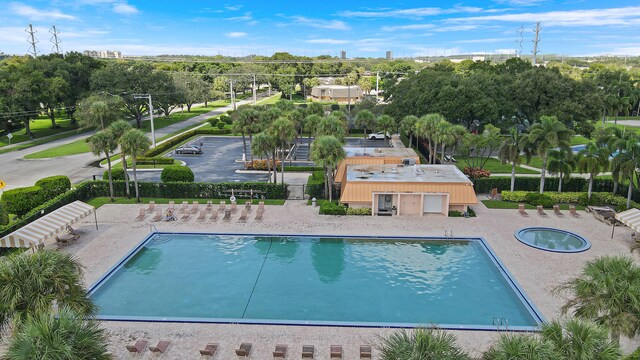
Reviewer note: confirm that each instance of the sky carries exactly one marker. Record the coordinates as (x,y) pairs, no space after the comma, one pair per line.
(361,28)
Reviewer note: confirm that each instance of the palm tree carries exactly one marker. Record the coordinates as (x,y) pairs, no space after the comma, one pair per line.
(37,283)
(245,123)
(365,120)
(330,125)
(627,161)
(520,347)
(562,162)
(419,344)
(545,135)
(327,151)
(386,124)
(98,111)
(592,160)
(445,136)
(459,132)
(407,126)
(283,131)
(118,129)
(425,127)
(261,146)
(607,292)
(310,123)
(103,142)
(135,143)
(510,153)
(64,336)
(579,339)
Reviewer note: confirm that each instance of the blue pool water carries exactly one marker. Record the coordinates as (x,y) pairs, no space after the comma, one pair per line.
(312,280)
(554,240)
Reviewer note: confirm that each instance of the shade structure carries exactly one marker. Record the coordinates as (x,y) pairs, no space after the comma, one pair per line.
(631,218)
(46,227)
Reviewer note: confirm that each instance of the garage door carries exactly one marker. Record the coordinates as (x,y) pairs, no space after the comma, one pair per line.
(433,203)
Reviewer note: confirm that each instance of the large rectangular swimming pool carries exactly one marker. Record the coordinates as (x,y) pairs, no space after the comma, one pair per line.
(354,281)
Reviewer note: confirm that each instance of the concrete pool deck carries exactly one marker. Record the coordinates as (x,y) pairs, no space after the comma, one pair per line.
(537,271)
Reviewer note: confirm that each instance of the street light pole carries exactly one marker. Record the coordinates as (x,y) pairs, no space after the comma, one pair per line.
(153,131)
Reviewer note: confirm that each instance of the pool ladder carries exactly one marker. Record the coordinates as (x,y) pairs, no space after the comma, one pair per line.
(153,228)
(448,234)
(501,323)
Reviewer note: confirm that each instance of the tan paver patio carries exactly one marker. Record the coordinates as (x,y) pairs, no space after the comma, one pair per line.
(536,271)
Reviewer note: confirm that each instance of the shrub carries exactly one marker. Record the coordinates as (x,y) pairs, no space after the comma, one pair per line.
(514,196)
(174,173)
(220,125)
(4,217)
(260,165)
(302,168)
(116,174)
(226,119)
(315,185)
(476,173)
(22,200)
(213,120)
(53,186)
(536,199)
(154,161)
(358,211)
(455,213)
(332,208)
(335,107)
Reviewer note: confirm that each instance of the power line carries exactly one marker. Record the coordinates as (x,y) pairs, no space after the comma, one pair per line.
(536,40)
(55,40)
(520,40)
(32,40)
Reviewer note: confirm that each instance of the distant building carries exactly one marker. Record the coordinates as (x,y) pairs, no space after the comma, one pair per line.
(343,54)
(339,93)
(103,54)
(389,55)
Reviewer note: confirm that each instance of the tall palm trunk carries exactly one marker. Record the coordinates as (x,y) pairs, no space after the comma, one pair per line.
(275,166)
(410,139)
(615,186)
(330,181)
(590,186)
(135,179)
(630,191)
(326,181)
(543,173)
(513,175)
(244,146)
(251,144)
(442,158)
(560,182)
(435,152)
(268,165)
(110,177)
(282,166)
(123,160)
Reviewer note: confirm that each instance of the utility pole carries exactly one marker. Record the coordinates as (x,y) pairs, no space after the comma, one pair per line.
(153,131)
(378,79)
(233,99)
(54,39)
(536,40)
(254,89)
(32,41)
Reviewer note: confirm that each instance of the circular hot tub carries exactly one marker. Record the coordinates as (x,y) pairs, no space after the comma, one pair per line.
(550,239)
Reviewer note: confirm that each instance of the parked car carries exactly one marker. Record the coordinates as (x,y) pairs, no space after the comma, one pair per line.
(378,136)
(189,149)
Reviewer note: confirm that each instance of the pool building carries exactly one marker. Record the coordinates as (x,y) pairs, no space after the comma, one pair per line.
(407,190)
(374,156)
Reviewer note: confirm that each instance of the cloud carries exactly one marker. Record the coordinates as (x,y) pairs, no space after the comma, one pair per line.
(318,23)
(235,34)
(408,27)
(32,13)
(624,16)
(520,2)
(233,7)
(413,13)
(124,8)
(480,41)
(328,41)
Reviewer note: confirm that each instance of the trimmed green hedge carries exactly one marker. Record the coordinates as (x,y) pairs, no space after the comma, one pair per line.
(4,217)
(53,186)
(22,200)
(580,198)
(116,174)
(302,168)
(176,173)
(358,211)
(154,161)
(332,208)
(315,185)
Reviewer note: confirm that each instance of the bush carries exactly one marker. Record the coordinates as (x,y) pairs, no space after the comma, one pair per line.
(302,168)
(22,200)
(174,173)
(476,173)
(335,107)
(358,211)
(4,217)
(455,213)
(536,199)
(220,125)
(332,208)
(53,186)
(597,198)
(514,196)
(260,165)
(154,161)
(213,120)
(315,185)
(116,174)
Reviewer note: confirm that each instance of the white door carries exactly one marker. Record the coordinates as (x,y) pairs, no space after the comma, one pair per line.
(433,203)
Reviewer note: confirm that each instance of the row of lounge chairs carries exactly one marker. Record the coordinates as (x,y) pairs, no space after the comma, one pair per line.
(187,210)
(280,351)
(556,210)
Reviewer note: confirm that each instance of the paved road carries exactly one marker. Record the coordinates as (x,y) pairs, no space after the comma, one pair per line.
(216,164)
(18,172)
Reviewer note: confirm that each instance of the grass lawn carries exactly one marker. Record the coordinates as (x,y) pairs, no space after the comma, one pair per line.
(499,204)
(623,127)
(270,100)
(579,140)
(40,128)
(76,147)
(536,162)
(99,201)
(176,117)
(495,166)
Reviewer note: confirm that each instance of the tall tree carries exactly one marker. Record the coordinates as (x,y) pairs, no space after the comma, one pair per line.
(386,124)
(64,336)
(562,162)
(606,292)
(625,163)
(330,125)
(327,151)
(118,129)
(545,135)
(510,152)
(192,87)
(262,145)
(407,126)
(592,160)
(35,284)
(99,111)
(135,143)
(425,128)
(103,142)
(365,119)
(283,131)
